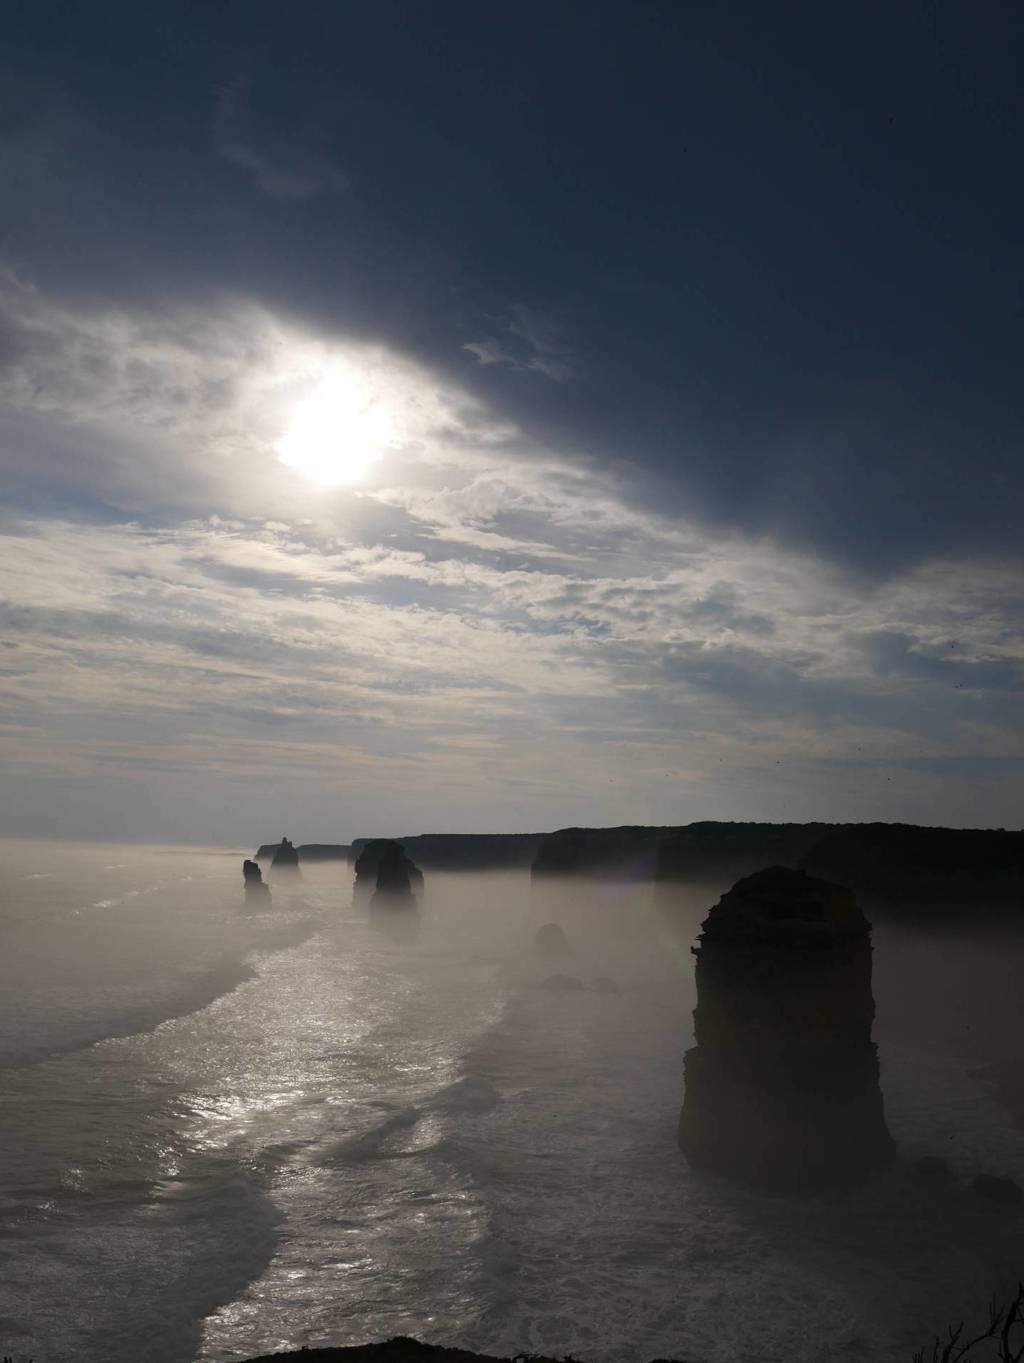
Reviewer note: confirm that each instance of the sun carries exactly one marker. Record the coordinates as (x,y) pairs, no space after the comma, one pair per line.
(336,433)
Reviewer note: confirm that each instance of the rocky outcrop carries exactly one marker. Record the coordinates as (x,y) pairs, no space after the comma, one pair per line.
(286,858)
(550,940)
(256,893)
(394,880)
(384,869)
(782,1085)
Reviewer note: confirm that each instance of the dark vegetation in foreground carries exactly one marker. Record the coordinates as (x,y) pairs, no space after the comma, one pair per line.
(401,1349)
(1002,1339)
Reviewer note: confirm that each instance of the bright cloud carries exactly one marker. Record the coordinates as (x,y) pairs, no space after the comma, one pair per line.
(479,619)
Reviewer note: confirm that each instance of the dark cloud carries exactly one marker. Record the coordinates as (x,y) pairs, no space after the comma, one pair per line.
(700,329)
(776,253)
(289,163)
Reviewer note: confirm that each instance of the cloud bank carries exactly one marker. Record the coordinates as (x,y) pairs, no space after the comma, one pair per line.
(487,628)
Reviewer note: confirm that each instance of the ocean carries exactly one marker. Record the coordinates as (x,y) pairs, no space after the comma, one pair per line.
(224,1133)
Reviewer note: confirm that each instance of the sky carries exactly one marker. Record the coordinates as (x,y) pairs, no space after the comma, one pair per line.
(433,416)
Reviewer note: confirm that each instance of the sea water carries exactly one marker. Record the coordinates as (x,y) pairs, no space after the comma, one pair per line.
(226,1132)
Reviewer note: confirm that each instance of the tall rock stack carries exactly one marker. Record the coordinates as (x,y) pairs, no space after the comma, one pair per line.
(256,893)
(394,880)
(782,1085)
(391,855)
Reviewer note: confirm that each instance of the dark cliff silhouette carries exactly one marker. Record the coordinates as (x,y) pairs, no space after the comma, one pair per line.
(899,869)
(464,851)
(699,853)
(782,1085)
(710,852)
(626,853)
(909,870)
(256,893)
(286,859)
(309,851)
(389,855)
(394,879)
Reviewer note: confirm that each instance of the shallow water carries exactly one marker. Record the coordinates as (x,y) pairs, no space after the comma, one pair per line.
(226,1133)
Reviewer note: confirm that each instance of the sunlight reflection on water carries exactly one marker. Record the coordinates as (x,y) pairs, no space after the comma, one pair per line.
(368,1138)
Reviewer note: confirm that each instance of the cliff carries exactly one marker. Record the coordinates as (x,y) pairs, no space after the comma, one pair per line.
(905,867)
(466,851)
(625,853)
(309,851)
(703,852)
(697,852)
(895,867)
(782,1086)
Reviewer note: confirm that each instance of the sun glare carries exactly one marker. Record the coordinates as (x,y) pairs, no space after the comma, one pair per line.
(336,433)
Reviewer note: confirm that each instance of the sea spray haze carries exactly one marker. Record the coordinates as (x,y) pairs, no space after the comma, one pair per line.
(227,1132)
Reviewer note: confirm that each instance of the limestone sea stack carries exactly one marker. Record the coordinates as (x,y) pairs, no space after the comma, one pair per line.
(394,881)
(286,858)
(782,1086)
(256,893)
(368,865)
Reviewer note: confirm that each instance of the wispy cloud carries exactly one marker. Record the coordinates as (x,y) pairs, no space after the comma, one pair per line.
(527,339)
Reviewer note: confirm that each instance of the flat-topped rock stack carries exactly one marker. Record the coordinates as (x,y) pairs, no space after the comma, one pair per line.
(782,1086)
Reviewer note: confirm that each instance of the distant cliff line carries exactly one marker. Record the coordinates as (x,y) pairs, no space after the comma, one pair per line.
(435,851)
(877,859)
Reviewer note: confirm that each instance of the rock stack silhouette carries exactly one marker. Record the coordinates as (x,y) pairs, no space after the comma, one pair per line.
(286,858)
(387,858)
(782,1086)
(395,873)
(256,893)
(550,940)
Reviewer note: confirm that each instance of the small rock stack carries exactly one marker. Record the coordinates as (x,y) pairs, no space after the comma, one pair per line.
(782,1086)
(286,857)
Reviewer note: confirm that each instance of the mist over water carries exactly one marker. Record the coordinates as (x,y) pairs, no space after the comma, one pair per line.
(226,1133)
